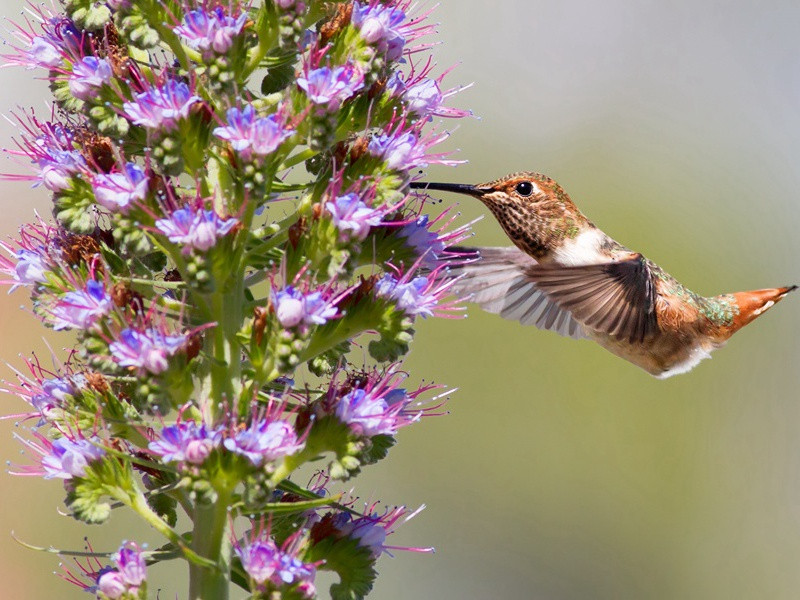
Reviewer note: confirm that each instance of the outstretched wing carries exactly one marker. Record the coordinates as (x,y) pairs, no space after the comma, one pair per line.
(616,298)
(498,281)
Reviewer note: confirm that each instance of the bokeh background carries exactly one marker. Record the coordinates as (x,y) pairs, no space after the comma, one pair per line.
(562,472)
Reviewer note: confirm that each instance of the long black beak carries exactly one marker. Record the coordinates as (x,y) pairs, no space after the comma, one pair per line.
(457,188)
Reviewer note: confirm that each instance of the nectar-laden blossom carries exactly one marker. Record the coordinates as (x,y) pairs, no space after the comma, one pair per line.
(28,258)
(352,217)
(417,296)
(212,29)
(249,135)
(148,350)
(195,229)
(88,75)
(118,191)
(186,442)
(264,441)
(330,87)
(293,307)
(161,108)
(81,309)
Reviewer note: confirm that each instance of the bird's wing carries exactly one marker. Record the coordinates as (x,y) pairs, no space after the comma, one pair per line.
(499,282)
(616,298)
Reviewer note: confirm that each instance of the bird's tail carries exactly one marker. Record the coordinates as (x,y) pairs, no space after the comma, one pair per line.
(755,303)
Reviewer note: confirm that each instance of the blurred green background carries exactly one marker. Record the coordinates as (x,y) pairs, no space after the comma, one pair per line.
(561,471)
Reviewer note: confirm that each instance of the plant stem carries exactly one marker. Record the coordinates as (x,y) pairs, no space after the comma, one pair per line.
(210,542)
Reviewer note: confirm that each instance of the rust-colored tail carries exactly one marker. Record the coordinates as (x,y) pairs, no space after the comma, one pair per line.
(755,303)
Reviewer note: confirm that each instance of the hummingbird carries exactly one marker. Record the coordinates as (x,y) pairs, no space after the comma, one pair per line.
(565,275)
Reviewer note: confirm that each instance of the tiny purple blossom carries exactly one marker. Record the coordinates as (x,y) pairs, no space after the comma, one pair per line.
(330,87)
(264,441)
(414,297)
(248,134)
(131,565)
(186,442)
(195,229)
(88,75)
(127,578)
(372,529)
(69,458)
(117,191)
(401,152)
(367,414)
(161,107)
(81,309)
(265,563)
(30,268)
(44,52)
(422,240)
(210,30)
(293,307)
(148,350)
(381,26)
(352,217)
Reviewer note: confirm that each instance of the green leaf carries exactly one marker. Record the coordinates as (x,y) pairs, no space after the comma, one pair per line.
(278,77)
(354,564)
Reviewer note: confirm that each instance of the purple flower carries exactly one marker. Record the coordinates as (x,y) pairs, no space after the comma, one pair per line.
(215,30)
(330,88)
(248,134)
(401,152)
(30,267)
(366,414)
(82,308)
(53,394)
(197,230)
(146,350)
(372,529)
(186,442)
(380,26)
(260,559)
(87,76)
(264,441)
(69,458)
(117,191)
(265,563)
(415,297)
(131,565)
(421,240)
(162,107)
(130,574)
(293,307)
(45,52)
(352,217)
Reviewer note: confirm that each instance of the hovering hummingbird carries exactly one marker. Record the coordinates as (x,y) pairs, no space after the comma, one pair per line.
(567,276)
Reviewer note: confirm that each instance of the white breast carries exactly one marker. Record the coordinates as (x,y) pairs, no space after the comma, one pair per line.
(583,249)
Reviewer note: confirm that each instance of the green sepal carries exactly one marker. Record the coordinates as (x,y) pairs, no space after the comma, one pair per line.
(88,496)
(88,15)
(74,207)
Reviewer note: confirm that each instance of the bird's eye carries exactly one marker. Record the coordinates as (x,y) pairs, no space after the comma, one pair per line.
(524,188)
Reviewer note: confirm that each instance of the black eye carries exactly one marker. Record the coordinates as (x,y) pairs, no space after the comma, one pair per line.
(524,188)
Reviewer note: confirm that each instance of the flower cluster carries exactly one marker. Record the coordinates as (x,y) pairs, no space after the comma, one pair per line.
(230,186)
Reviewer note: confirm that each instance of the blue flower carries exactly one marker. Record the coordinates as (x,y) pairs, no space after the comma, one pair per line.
(352,216)
(147,350)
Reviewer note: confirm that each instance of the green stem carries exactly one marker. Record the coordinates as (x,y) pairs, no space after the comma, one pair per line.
(209,541)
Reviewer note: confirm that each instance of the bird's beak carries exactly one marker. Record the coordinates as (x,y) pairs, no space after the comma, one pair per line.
(456,188)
